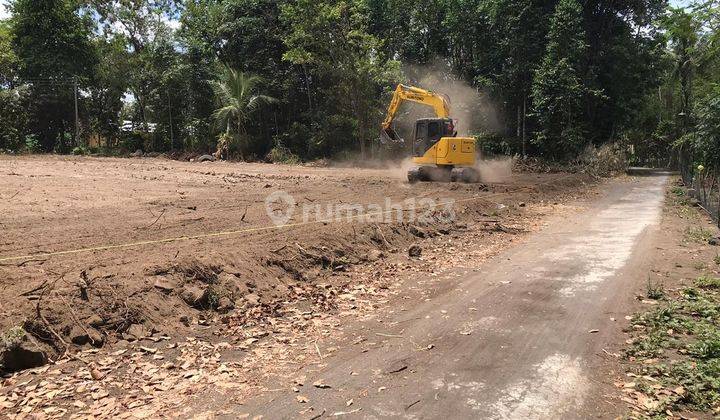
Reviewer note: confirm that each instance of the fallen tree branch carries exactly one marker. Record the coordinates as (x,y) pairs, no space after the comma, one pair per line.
(73,315)
(35,289)
(156,220)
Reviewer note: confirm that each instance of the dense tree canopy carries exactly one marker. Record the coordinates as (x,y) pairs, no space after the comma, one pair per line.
(557,75)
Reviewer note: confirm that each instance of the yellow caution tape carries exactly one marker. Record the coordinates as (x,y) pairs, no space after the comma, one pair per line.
(232,232)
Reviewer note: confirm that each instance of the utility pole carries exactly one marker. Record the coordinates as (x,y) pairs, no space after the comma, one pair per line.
(77,118)
(524,132)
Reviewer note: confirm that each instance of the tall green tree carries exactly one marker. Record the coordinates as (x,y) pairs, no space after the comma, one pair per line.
(692,86)
(412,31)
(250,37)
(198,68)
(144,27)
(107,89)
(470,38)
(13,118)
(519,28)
(329,39)
(682,30)
(706,140)
(624,61)
(52,44)
(559,90)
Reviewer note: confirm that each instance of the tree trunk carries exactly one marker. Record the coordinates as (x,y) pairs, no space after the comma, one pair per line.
(307,86)
(524,131)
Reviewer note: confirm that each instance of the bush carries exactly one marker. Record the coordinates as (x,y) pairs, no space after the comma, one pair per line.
(491,144)
(707,282)
(296,139)
(63,142)
(79,151)
(605,160)
(281,154)
(13,337)
(32,144)
(130,142)
(13,118)
(198,136)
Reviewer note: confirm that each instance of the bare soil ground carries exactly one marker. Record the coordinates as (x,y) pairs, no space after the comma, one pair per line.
(141,329)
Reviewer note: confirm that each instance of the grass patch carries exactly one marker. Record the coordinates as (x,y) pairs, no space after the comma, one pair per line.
(678,196)
(676,351)
(699,266)
(707,282)
(655,290)
(716,260)
(698,234)
(13,337)
(678,191)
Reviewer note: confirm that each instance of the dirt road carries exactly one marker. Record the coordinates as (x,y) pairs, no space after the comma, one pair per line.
(519,338)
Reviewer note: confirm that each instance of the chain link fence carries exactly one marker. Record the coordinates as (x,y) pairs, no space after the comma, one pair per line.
(704,183)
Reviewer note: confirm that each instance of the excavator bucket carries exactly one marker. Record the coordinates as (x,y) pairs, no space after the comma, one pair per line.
(389,135)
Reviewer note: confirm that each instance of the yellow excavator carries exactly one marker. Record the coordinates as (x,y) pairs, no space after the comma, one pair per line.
(440,155)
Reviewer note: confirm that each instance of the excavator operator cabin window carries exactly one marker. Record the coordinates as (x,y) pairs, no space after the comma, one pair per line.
(420,131)
(420,143)
(433,131)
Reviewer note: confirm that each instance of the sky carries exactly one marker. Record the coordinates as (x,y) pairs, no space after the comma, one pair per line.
(3,13)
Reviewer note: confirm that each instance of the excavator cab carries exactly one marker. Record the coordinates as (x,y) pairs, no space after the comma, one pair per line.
(429,131)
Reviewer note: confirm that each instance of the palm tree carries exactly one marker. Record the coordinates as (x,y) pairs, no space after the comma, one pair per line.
(238,97)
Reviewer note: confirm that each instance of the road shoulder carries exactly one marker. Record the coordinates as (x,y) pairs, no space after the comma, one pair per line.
(666,361)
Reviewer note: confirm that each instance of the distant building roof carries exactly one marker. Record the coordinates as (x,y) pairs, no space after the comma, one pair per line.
(130,126)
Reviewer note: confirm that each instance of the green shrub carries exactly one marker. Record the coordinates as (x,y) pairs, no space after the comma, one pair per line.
(281,154)
(707,347)
(13,337)
(707,282)
(79,151)
(698,234)
(32,144)
(655,290)
(678,191)
(491,144)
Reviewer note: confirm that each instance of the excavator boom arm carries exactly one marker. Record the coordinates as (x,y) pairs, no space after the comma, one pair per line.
(438,102)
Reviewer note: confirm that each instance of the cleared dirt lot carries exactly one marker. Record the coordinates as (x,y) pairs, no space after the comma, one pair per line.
(219,286)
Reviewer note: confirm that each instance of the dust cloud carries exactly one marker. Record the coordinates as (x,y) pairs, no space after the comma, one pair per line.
(495,170)
(472,108)
(399,170)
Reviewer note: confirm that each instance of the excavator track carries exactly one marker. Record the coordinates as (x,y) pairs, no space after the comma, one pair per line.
(443,174)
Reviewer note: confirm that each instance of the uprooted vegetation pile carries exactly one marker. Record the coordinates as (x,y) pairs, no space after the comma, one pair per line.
(103,299)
